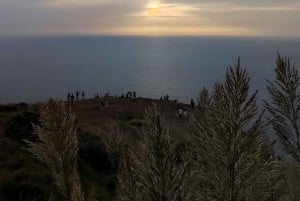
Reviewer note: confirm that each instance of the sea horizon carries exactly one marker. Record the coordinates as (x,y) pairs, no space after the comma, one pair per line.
(35,68)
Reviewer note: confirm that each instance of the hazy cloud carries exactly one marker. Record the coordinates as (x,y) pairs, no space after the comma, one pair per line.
(176,17)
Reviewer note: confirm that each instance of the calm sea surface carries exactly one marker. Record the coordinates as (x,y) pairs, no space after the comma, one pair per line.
(36,68)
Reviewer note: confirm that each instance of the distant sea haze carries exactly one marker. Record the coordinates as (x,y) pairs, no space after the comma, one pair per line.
(36,68)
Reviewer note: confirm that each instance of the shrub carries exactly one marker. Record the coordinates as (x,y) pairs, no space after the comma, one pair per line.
(93,152)
(21,126)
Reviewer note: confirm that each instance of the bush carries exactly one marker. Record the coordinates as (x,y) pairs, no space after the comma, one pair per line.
(93,152)
(18,191)
(8,108)
(21,126)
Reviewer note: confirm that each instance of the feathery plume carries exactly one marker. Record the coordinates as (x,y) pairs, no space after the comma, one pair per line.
(57,148)
(231,161)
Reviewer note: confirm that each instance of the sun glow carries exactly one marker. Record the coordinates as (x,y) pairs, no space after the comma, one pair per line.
(154,7)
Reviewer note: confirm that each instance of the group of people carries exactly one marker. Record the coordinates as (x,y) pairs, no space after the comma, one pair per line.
(71,97)
(165,98)
(129,95)
(182,112)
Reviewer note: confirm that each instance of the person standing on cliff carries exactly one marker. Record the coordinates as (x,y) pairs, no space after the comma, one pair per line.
(72,99)
(134,95)
(77,95)
(192,103)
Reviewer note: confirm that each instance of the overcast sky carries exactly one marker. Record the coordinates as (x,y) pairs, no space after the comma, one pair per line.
(145,17)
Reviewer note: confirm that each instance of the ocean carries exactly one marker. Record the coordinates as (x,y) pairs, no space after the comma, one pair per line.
(36,68)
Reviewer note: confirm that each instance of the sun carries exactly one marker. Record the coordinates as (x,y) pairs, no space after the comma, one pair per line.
(154,7)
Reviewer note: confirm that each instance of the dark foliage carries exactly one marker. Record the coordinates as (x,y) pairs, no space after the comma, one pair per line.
(13,108)
(21,126)
(23,179)
(93,152)
(17,191)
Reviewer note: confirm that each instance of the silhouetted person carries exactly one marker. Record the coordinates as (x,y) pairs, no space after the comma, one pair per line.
(192,103)
(134,94)
(167,97)
(82,95)
(77,95)
(72,99)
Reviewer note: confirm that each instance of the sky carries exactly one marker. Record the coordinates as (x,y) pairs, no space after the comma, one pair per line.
(147,17)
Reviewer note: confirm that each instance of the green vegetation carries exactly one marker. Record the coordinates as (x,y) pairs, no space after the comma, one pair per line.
(45,154)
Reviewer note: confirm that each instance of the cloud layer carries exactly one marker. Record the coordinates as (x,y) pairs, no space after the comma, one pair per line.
(133,17)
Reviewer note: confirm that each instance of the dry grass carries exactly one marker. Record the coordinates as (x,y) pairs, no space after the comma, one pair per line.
(232,162)
(57,148)
(284,110)
(154,171)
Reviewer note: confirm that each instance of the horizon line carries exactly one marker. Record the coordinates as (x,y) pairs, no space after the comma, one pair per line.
(149,35)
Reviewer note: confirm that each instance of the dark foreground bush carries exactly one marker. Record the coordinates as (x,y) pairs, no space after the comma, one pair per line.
(17,192)
(13,107)
(93,152)
(21,126)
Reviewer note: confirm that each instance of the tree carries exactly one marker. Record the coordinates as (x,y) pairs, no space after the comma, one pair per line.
(154,169)
(232,162)
(57,148)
